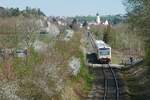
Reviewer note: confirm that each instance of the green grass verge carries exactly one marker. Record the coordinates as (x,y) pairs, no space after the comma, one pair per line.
(85,76)
(116,58)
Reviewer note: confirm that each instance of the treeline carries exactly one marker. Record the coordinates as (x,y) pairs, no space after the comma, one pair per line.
(9,12)
(114,19)
(139,20)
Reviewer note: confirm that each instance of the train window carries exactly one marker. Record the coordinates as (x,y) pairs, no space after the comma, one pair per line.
(104,51)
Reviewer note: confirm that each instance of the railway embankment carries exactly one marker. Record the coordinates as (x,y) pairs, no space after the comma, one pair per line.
(137,81)
(52,69)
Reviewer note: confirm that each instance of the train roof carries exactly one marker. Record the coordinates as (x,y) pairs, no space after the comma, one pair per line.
(101,44)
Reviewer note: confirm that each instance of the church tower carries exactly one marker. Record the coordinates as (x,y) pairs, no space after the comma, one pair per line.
(98,21)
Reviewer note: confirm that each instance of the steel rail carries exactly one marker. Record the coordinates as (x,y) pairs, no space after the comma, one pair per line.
(92,40)
(116,82)
(106,83)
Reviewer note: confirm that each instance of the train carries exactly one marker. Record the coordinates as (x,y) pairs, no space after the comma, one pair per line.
(103,52)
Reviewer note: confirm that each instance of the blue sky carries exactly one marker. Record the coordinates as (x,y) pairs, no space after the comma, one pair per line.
(69,7)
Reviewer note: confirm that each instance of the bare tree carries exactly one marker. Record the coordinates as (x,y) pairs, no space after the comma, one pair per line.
(28,28)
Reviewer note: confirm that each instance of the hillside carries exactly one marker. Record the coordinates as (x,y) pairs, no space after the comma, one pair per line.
(37,61)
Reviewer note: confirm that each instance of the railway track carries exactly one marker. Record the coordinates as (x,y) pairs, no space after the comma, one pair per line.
(106,85)
(111,87)
(109,83)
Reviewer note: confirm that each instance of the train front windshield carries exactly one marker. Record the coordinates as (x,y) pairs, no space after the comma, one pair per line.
(104,51)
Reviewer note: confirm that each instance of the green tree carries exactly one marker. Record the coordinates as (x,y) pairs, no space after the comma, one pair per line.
(139,19)
(15,12)
(106,35)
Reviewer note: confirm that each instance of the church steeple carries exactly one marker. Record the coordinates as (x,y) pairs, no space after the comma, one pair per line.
(98,21)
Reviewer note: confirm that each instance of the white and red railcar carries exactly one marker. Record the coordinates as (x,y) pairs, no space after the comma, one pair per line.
(103,51)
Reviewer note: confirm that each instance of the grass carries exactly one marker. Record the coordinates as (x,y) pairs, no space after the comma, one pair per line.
(46,38)
(85,74)
(116,58)
(88,78)
(1,66)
